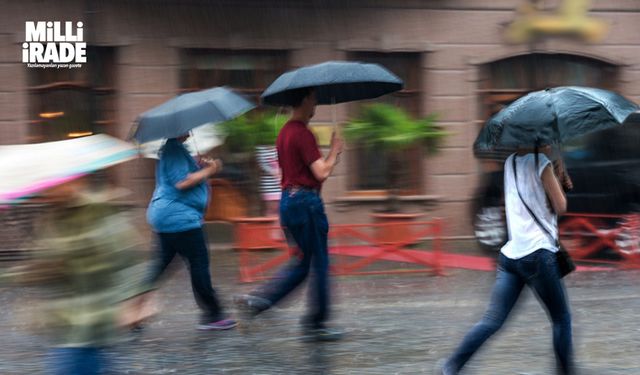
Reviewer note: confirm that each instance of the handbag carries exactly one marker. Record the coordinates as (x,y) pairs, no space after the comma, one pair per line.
(565,263)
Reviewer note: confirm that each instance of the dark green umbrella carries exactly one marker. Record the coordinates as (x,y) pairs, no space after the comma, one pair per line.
(554,116)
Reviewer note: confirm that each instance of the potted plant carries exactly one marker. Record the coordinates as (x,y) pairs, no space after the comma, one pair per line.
(245,136)
(248,137)
(391,131)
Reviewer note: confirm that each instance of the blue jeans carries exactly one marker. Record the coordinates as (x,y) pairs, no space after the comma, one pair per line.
(192,247)
(302,214)
(539,271)
(78,361)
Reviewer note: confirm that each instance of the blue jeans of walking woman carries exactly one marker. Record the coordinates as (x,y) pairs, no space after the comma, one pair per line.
(539,271)
(302,214)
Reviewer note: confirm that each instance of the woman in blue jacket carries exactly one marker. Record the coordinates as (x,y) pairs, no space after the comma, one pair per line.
(176,213)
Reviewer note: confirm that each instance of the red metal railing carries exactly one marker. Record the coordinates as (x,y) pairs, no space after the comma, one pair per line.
(586,235)
(368,243)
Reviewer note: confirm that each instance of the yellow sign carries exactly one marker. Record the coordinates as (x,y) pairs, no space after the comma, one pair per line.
(322,132)
(570,18)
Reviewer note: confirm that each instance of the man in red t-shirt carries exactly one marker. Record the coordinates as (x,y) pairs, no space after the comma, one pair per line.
(302,214)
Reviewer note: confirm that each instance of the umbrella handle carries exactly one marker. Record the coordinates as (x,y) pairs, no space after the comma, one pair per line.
(336,128)
(333,113)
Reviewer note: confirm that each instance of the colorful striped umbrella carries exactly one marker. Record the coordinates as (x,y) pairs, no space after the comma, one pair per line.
(30,168)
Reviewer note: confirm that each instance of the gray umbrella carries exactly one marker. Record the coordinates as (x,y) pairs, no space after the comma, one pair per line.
(179,115)
(334,82)
(553,116)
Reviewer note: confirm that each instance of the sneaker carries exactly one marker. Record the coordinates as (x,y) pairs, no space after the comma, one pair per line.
(322,334)
(250,306)
(219,325)
(444,368)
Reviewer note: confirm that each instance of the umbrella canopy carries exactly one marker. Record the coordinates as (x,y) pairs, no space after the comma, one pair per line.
(28,169)
(553,116)
(202,140)
(185,112)
(334,82)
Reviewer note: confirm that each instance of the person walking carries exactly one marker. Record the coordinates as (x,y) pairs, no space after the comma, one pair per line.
(534,198)
(176,213)
(89,263)
(303,216)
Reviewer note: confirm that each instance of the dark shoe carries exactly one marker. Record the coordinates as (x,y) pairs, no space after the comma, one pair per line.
(322,334)
(250,306)
(219,325)
(444,368)
(137,328)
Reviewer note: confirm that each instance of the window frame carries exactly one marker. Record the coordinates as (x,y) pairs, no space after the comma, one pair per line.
(413,89)
(44,81)
(281,66)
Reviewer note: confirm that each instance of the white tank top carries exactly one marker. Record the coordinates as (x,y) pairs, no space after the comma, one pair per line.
(525,236)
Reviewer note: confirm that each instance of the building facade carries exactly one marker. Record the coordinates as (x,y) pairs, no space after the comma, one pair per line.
(455,57)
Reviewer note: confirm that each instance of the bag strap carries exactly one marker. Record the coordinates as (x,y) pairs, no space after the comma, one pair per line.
(535,218)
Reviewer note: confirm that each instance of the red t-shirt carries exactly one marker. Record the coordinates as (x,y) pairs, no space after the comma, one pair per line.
(297,150)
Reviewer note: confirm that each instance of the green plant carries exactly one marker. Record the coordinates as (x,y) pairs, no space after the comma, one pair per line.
(267,126)
(242,135)
(256,128)
(390,130)
(238,137)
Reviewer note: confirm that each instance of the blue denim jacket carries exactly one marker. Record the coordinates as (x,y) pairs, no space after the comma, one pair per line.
(172,210)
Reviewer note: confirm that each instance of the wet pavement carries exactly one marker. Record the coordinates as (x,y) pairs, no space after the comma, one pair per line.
(395,324)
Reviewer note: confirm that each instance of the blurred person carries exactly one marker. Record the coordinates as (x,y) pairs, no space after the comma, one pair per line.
(90,264)
(303,217)
(176,214)
(528,258)
(269,178)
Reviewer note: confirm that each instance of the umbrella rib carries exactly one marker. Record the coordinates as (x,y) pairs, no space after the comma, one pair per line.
(602,104)
(221,115)
(512,113)
(595,99)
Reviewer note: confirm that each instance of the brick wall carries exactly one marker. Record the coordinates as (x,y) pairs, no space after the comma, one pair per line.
(454,37)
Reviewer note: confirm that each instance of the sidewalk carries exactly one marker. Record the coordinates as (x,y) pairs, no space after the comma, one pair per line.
(398,324)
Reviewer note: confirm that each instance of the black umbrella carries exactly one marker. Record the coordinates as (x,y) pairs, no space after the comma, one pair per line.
(553,116)
(334,82)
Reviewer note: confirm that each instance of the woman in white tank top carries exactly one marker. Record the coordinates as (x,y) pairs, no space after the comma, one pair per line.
(528,258)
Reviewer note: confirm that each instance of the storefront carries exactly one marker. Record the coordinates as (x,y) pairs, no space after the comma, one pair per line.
(455,58)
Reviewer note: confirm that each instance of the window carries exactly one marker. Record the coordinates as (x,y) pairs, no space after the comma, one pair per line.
(249,72)
(404,65)
(371,169)
(504,81)
(67,103)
